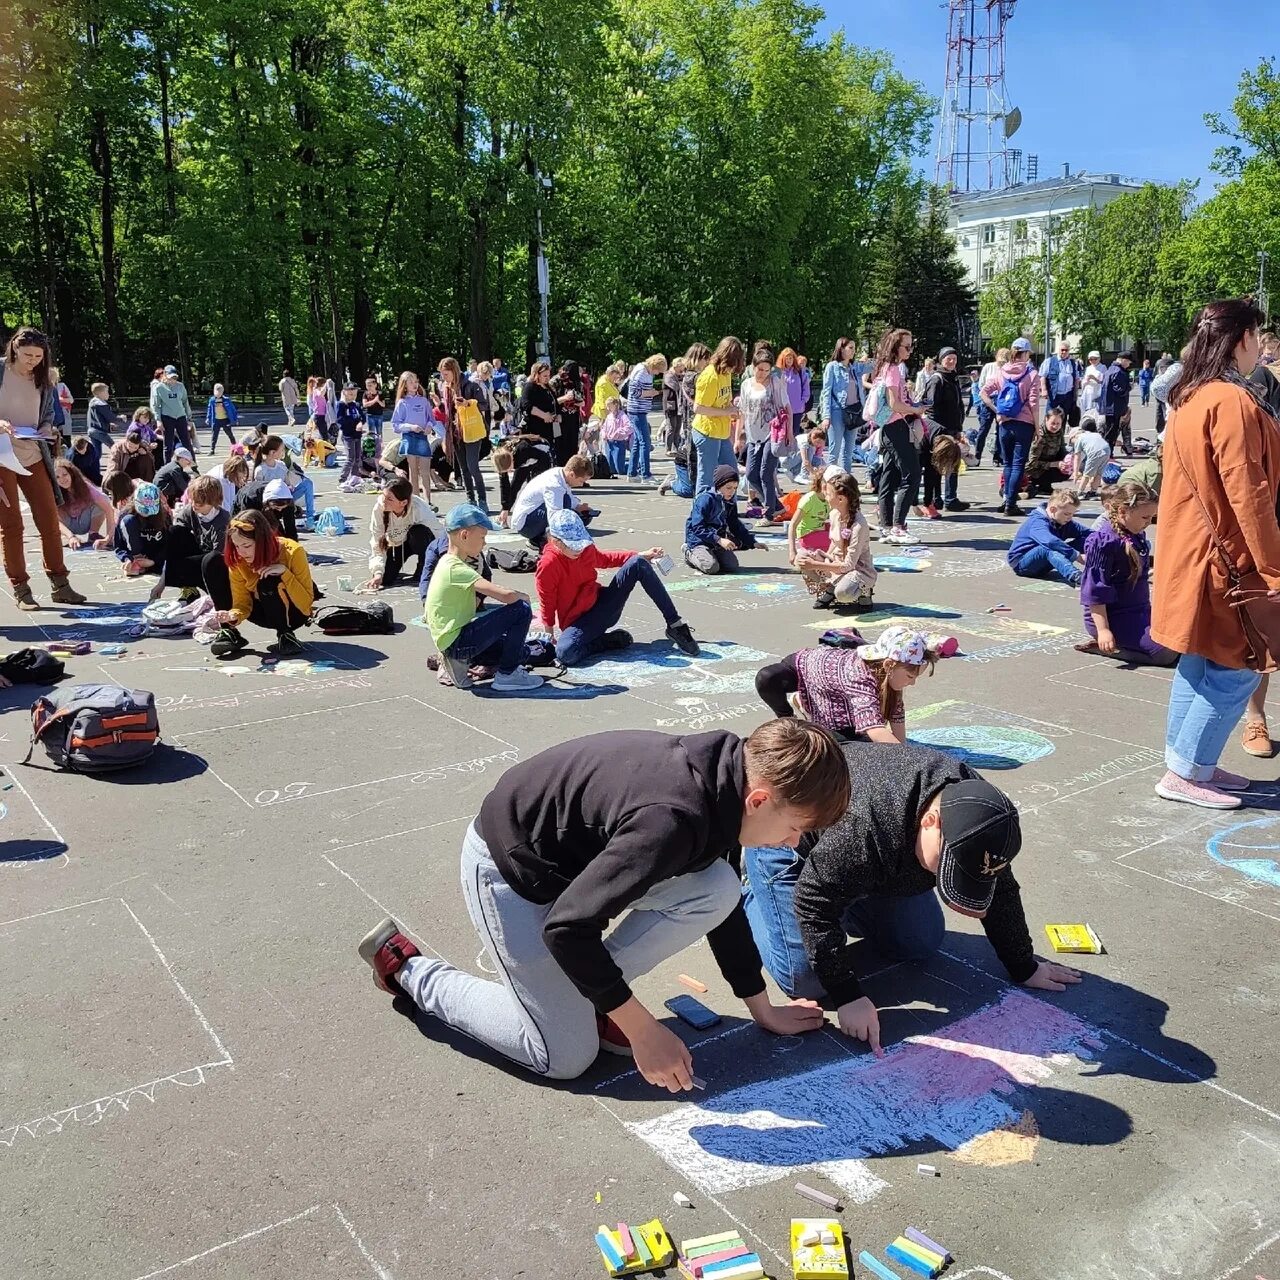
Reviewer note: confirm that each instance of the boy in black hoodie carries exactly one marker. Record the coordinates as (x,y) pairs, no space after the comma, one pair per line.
(629,823)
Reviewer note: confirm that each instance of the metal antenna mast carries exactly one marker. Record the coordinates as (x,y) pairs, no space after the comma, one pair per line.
(977,121)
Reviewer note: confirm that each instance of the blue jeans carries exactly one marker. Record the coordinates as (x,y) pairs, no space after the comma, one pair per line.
(1015,446)
(985,421)
(1044,562)
(711,454)
(641,444)
(305,490)
(1205,705)
(616,452)
(581,638)
(910,928)
(495,636)
(762,471)
(842,435)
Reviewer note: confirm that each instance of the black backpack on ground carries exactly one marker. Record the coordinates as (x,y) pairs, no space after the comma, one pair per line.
(31,666)
(512,559)
(600,468)
(365,618)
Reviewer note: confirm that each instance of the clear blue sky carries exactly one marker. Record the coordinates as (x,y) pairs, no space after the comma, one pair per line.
(1108,87)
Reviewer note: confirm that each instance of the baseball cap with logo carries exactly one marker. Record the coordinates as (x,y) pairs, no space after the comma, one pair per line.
(981,835)
(170,371)
(567,527)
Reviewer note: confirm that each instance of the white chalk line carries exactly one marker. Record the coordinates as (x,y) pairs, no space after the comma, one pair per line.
(1248,1258)
(1226,902)
(247,803)
(450,766)
(444,822)
(374,1265)
(398,919)
(1093,786)
(34,856)
(292,715)
(227,1244)
(53,911)
(173,977)
(1185,1072)
(466,724)
(715,1200)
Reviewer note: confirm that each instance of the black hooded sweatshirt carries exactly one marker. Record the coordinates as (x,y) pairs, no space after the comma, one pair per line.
(591,825)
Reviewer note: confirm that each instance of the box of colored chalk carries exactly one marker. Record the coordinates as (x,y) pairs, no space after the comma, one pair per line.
(725,1256)
(629,1251)
(1077,938)
(817,1249)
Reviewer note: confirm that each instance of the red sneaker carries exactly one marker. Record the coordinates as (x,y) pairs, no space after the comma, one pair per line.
(932,512)
(385,949)
(611,1038)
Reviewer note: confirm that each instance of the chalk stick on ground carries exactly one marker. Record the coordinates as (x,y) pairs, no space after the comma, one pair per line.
(910,1261)
(692,983)
(682,1200)
(876,1267)
(920,1238)
(628,1245)
(608,1251)
(927,1171)
(819,1197)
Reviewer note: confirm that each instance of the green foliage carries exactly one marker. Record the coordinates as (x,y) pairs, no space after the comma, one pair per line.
(340,186)
(1012,305)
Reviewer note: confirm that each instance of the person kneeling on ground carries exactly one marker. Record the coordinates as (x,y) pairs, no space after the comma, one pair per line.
(401,525)
(844,575)
(1050,541)
(917,819)
(199,529)
(713,533)
(142,532)
(275,500)
(1116,589)
(466,636)
(261,578)
(568,592)
(547,493)
(856,693)
(631,824)
(86,514)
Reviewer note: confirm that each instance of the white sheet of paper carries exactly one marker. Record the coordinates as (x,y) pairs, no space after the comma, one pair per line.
(8,458)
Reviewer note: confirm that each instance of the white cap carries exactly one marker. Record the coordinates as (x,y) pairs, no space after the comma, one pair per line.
(277,491)
(1095,355)
(833,472)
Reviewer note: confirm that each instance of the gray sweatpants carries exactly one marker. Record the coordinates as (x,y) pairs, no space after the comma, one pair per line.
(710,559)
(534,1015)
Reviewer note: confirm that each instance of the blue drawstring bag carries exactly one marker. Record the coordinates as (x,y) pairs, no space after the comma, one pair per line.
(331,521)
(1111,473)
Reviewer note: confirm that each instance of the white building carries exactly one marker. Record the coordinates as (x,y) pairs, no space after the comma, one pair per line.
(993,229)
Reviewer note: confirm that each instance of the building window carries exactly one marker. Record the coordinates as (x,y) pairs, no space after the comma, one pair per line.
(989,233)
(988,272)
(1020,231)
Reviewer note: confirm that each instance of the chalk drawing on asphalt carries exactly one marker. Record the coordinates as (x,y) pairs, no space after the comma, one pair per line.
(931,1091)
(1250,848)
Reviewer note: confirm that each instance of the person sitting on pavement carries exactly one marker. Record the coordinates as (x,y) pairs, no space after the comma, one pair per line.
(142,532)
(713,533)
(631,826)
(587,613)
(402,525)
(131,457)
(261,578)
(917,820)
(466,635)
(1050,541)
(172,479)
(199,527)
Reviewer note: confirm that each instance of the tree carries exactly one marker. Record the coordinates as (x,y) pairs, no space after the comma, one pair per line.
(1012,305)
(917,280)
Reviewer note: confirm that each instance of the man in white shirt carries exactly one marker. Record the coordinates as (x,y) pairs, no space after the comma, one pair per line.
(986,419)
(1060,382)
(288,396)
(549,492)
(1091,384)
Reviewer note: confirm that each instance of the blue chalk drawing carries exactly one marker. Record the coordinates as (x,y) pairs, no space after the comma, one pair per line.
(1264,868)
(986,746)
(900,564)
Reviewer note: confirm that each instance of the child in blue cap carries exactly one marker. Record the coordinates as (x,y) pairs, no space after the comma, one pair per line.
(465,634)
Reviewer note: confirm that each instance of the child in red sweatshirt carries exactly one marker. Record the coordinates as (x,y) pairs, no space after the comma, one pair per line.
(569,594)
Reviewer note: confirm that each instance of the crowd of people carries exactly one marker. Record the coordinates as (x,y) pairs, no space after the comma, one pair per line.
(771,846)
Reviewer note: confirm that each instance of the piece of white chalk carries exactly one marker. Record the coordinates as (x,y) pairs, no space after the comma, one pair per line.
(828,1237)
(682,1200)
(811,1237)
(927,1171)
(699,1082)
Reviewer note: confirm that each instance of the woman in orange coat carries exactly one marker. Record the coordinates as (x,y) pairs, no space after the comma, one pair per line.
(1221,470)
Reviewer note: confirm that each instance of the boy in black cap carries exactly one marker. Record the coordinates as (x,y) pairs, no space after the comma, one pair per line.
(713,534)
(916,820)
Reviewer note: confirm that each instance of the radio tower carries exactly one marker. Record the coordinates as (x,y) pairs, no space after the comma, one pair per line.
(977,121)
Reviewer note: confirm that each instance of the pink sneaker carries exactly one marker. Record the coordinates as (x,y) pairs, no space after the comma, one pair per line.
(1203,794)
(612,1039)
(1225,780)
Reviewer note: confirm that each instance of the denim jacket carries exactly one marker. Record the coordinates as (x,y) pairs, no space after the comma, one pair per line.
(835,388)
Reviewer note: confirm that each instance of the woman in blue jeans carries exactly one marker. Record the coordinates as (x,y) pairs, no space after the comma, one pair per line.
(714,411)
(840,404)
(643,388)
(1218,524)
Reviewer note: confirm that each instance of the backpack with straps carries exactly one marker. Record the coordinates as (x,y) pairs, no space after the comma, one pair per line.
(1009,402)
(95,728)
(363,618)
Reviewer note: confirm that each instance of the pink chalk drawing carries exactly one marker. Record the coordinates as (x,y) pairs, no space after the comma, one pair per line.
(942,1090)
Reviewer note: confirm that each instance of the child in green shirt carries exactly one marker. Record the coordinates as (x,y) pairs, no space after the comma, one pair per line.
(808,528)
(466,635)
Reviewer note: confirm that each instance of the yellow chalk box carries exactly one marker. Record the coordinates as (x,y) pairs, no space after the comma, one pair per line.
(1079,939)
(817,1249)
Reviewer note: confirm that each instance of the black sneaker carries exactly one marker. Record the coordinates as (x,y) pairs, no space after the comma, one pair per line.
(614,640)
(188,594)
(227,643)
(824,599)
(1013,510)
(956,505)
(682,637)
(287,645)
(863,604)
